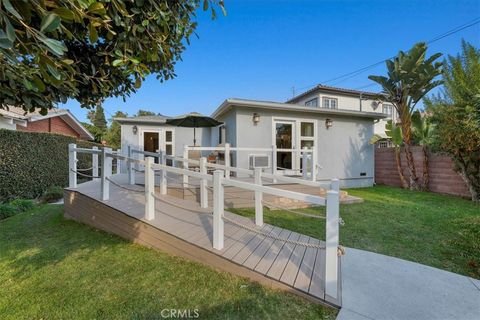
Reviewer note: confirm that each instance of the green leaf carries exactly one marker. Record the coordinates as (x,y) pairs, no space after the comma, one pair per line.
(10,30)
(38,84)
(64,13)
(93,35)
(8,6)
(97,8)
(138,82)
(117,63)
(5,42)
(55,46)
(50,22)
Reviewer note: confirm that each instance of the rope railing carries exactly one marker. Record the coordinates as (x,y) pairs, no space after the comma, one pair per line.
(123,187)
(83,174)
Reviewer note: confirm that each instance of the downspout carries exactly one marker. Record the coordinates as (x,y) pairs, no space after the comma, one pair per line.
(361,101)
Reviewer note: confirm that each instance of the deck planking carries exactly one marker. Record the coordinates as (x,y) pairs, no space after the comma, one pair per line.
(270,261)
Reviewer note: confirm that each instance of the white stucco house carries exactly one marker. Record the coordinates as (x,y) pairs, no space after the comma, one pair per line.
(334,125)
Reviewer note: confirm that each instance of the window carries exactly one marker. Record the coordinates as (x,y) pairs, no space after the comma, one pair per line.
(312,103)
(307,140)
(221,134)
(330,103)
(388,110)
(169,145)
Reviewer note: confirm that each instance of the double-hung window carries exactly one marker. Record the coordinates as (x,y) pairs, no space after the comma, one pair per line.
(387,109)
(330,103)
(169,145)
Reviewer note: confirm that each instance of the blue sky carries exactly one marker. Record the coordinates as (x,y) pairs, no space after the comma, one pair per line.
(261,49)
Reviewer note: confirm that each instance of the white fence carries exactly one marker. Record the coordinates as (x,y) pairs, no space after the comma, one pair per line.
(219,179)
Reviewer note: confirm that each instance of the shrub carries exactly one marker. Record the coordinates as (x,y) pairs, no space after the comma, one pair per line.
(23,204)
(31,162)
(52,194)
(7,210)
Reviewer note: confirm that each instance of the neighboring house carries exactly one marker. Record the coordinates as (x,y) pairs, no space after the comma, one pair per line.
(59,121)
(340,137)
(347,99)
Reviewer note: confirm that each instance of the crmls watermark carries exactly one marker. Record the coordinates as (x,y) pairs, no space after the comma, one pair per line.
(179,313)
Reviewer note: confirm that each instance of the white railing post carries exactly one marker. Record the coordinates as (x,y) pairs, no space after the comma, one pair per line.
(274,161)
(314,164)
(106,173)
(258,198)
(332,238)
(227,160)
(149,189)
(95,164)
(130,166)
(218,208)
(335,185)
(185,165)
(163,174)
(304,163)
(203,184)
(72,165)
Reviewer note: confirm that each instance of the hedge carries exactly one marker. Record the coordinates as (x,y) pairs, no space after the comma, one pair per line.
(31,162)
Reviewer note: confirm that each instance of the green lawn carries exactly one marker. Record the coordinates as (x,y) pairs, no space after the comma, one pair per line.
(51,268)
(436,230)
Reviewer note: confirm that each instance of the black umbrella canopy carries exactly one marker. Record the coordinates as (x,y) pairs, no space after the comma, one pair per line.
(193,120)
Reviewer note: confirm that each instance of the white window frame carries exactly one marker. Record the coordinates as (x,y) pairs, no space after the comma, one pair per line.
(312,103)
(296,142)
(390,106)
(329,104)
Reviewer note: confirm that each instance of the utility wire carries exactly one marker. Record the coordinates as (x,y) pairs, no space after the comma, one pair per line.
(354,73)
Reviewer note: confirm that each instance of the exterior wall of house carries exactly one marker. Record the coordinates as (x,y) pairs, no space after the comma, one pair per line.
(52,125)
(343,150)
(350,102)
(181,136)
(6,124)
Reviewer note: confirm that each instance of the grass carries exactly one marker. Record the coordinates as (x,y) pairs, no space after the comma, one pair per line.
(432,229)
(51,268)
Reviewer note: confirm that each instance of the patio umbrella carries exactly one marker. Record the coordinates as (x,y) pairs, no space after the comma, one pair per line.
(193,120)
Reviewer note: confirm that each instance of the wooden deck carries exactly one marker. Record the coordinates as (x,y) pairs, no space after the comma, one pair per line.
(182,228)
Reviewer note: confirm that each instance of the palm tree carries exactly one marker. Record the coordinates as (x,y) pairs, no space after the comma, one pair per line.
(423,132)
(410,76)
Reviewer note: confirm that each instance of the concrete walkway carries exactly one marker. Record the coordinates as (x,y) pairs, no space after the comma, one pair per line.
(382,287)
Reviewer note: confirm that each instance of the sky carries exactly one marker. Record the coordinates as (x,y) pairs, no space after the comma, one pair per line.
(262,49)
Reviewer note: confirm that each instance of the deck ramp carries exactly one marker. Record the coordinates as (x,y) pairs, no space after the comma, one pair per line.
(182,228)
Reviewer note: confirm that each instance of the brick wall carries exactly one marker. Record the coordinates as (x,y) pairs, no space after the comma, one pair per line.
(441,175)
(53,125)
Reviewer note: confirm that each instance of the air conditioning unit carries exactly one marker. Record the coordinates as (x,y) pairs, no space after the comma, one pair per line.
(258,161)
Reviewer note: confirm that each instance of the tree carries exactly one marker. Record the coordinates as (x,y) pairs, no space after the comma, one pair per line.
(455,113)
(113,136)
(423,131)
(99,119)
(141,113)
(89,50)
(410,76)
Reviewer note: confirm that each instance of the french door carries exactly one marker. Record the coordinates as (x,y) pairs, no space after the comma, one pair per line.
(293,134)
(285,139)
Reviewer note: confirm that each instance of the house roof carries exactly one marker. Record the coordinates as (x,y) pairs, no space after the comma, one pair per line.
(324,88)
(143,119)
(18,114)
(233,102)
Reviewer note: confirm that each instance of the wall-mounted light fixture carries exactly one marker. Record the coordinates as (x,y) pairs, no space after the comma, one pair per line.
(328,123)
(256,118)
(134,129)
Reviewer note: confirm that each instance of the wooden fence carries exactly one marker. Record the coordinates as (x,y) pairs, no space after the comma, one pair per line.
(442,178)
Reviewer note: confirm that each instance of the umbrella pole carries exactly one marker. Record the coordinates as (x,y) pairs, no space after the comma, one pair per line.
(194,139)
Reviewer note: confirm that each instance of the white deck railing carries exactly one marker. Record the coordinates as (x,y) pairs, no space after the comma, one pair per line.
(306,155)
(218,181)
